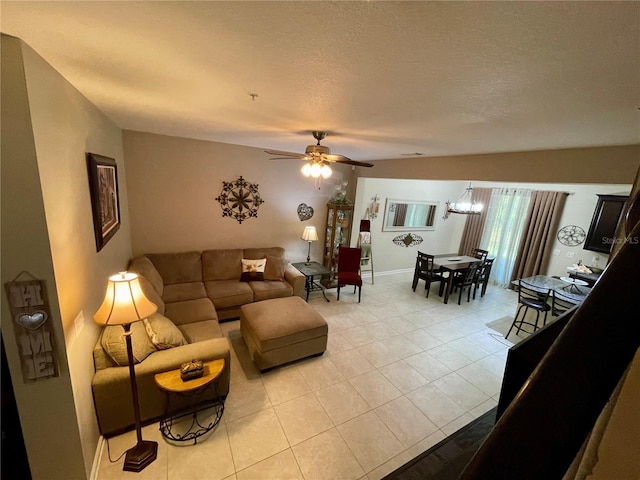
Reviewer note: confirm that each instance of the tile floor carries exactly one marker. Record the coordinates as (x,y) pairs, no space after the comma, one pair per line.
(401,372)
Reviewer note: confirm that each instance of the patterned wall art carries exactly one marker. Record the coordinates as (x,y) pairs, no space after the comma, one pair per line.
(305,212)
(240,199)
(408,240)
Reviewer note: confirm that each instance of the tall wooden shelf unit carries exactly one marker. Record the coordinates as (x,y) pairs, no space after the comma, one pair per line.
(337,233)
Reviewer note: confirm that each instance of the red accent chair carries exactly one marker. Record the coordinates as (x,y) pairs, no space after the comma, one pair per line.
(349,269)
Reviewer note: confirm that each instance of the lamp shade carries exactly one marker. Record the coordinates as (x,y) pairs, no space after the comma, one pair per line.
(309,234)
(124,301)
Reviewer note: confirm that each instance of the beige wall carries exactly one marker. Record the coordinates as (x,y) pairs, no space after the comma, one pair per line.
(616,164)
(47,229)
(174,182)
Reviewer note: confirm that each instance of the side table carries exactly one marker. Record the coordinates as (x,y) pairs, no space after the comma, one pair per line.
(310,270)
(172,384)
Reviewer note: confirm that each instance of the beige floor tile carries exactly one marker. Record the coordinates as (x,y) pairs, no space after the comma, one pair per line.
(402,345)
(378,354)
(284,384)
(406,421)
(336,343)
(423,339)
(461,391)
(483,408)
(482,378)
(342,402)
(381,329)
(375,388)
(358,336)
(320,372)
(208,459)
(255,437)
(426,444)
(469,349)
(401,324)
(404,377)
(245,398)
(457,424)
(437,406)
(450,357)
(302,418)
(351,363)
(327,456)
(281,466)
(446,331)
(370,440)
(428,366)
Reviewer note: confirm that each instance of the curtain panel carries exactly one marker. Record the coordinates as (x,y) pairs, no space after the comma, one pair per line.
(539,233)
(472,233)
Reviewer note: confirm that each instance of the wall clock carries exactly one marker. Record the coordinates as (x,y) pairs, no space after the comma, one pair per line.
(240,199)
(571,235)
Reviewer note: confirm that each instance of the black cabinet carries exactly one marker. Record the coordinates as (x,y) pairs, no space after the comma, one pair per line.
(604,223)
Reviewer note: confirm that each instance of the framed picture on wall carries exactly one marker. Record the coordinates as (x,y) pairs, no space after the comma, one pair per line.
(105,204)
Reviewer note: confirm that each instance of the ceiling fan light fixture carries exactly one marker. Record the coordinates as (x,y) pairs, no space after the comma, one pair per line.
(326,171)
(316,170)
(306,170)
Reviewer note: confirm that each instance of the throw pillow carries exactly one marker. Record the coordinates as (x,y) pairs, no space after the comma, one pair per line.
(113,343)
(275,268)
(163,333)
(253,270)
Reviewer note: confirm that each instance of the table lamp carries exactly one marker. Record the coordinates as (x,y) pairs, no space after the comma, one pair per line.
(309,235)
(125,303)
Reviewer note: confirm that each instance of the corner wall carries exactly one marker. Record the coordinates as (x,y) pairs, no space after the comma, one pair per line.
(45,184)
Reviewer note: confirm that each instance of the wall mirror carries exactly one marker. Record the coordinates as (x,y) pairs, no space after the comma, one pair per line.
(406,215)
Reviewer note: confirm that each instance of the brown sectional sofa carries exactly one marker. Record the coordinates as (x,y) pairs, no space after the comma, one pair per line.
(195,290)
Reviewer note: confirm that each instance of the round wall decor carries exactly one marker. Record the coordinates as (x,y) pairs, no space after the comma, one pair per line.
(305,212)
(571,235)
(240,199)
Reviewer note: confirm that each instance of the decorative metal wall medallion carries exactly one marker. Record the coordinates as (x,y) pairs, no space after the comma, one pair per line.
(305,212)
(571,235)
(408,240)
(240,199)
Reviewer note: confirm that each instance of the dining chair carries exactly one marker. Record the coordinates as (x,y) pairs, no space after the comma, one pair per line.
(466,280)
(482,277)
(528,297)
(560,303)
(424,270)
(479,253)
(349,269)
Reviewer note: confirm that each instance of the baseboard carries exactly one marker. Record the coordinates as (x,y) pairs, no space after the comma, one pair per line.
(95,468)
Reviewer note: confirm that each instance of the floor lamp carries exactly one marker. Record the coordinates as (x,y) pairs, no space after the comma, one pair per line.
(125,303)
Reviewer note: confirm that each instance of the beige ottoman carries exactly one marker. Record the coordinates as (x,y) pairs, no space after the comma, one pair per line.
(281,330)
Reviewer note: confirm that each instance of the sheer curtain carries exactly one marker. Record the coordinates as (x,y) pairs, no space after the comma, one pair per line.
(503,230)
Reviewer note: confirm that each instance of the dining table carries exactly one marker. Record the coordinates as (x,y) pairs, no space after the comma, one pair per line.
(570,290)
(452,263)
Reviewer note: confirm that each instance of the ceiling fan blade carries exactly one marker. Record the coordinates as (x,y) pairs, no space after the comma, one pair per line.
(286,158)
(280,153)
(342,159)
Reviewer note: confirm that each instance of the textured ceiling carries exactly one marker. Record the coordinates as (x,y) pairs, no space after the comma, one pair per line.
(386,79)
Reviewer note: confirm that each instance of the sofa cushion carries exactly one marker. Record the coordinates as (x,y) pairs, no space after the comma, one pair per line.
(267,290)
(274,270)
(255,253)
(222,264)
(191,311)
(253,270)
(182,267)
(114,344)
(151,293)
(180,292)
(162,332)
(143,266)
(229,293)
(200,331)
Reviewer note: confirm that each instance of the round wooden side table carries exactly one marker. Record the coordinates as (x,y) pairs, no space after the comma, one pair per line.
(172,384)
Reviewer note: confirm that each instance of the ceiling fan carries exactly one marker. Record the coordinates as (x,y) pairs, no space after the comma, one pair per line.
(317,154)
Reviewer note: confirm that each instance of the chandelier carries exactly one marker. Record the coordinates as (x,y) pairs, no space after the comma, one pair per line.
(465,205)
(317,170)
